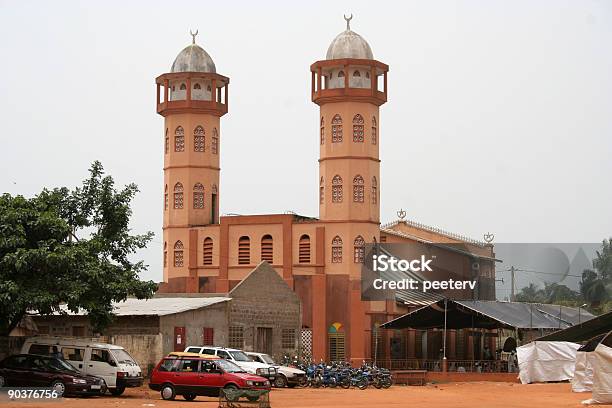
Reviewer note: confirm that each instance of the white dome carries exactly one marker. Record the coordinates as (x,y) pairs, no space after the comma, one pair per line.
(349,44)
(193,58)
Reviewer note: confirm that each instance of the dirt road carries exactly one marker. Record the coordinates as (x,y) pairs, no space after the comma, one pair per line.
(460,395)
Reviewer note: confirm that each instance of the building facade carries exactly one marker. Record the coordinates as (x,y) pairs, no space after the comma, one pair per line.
(319,258)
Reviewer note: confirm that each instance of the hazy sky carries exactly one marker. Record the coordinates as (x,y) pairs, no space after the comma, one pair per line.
(499,115)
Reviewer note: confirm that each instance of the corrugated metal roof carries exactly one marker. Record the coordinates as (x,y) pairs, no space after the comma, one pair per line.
(490,314)
(158,306)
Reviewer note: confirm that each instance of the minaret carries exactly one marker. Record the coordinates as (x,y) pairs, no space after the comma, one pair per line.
(192,97)
(349,86)
(346,87)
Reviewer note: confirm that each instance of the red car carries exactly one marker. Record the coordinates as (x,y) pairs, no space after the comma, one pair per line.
(31,370)
(193,375)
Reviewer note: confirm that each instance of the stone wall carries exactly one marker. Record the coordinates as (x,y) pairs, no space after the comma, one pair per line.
(214,316)
(146,349)
(264,300)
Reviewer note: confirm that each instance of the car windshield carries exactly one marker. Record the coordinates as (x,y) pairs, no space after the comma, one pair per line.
(122,356)
(267,359)
(239,356)
(56,364)
(229,367)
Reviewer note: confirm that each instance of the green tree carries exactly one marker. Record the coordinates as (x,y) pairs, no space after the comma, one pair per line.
(69,247)
(596,283)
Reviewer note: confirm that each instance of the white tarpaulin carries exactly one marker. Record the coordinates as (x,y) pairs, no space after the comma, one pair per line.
(583,373)
(541,361)
(602,375)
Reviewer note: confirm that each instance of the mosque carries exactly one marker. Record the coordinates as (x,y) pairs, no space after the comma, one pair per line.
(319,258)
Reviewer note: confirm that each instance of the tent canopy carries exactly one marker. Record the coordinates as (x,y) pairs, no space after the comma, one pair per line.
(463,314)
(584,331)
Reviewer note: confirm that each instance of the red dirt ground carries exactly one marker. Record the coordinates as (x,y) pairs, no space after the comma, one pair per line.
(460,395)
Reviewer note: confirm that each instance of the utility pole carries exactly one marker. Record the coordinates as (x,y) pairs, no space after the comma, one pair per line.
(512,270)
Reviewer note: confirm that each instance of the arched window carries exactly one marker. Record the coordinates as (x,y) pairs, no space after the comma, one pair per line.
(341,74)
(358,128)
(356,74)
(197,86)
(322,131)
(267,248)
(208,88)
(166,143)
(198,139)
(337,189)
(208,251)
(166,197)
(183,87)
(304,249)
(337,129)
(359,249)
(214,147)
(178,196)
(179,139)
(321,191)
(165,254)
(244,251)
(337,249)
(374,191)
(358,189)
(198,196)
(178,254)
(367,75)
(374,130)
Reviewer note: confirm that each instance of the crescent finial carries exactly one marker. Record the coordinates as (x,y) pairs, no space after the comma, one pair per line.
(193,36)
(348,21)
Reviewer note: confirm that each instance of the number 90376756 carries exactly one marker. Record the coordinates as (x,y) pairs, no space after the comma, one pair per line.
(23,394)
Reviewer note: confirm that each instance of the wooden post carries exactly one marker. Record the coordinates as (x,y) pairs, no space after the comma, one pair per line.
(346,77)
(385,81)
(312,84)
(373,80)
(226,94)
(213,91)
(189,89)
(166,91)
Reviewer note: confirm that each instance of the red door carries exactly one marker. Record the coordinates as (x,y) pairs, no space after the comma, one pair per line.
(208,336)
(179,338)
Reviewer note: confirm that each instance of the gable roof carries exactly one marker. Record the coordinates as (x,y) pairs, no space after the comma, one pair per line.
(265,272)
(157,306)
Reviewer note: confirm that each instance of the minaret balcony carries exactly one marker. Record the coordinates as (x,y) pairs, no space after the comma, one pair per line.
(192,92)
(349,80)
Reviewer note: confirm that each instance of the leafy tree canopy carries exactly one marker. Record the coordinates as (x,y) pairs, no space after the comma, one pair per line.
(595,286)
(69,247)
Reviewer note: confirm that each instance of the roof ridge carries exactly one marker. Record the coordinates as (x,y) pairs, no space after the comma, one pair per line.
(434,230)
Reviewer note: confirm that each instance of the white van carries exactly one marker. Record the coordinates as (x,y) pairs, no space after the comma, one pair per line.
(115,365)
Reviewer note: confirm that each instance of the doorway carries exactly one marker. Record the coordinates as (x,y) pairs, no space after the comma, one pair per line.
(263,340)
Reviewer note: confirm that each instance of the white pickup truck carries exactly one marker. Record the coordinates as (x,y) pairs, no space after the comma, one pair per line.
(287,376)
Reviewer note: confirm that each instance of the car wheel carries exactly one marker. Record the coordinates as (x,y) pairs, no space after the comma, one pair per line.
(117,391)
(280,381)
(58,387)
(189,397)
(230,387)
(167,392)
